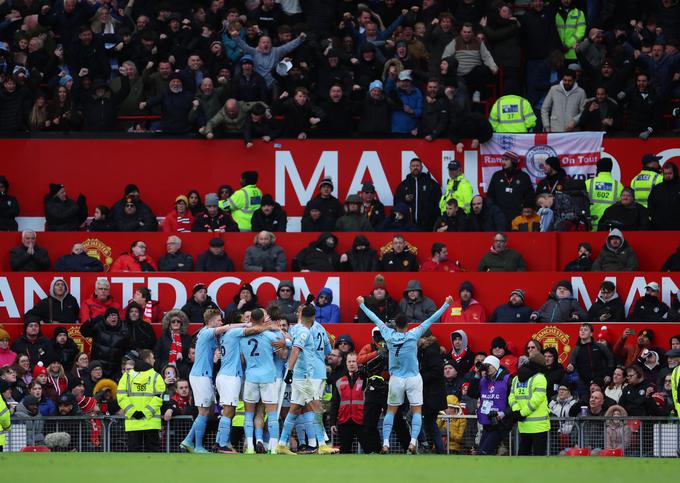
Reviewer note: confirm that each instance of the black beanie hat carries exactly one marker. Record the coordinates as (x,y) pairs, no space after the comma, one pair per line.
(131,188)
(54,189)
(605,165)
(553,162)
(111,310)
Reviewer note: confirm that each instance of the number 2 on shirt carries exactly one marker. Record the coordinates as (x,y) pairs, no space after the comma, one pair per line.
(254,343)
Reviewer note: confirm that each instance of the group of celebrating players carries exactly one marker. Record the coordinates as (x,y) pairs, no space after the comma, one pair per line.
(259,361)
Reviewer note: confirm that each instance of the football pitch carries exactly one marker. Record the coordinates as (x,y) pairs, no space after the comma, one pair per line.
(70,467)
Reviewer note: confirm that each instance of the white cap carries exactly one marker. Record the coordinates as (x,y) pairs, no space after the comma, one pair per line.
(492,361)
(283,67)
(405,75)
(653,285)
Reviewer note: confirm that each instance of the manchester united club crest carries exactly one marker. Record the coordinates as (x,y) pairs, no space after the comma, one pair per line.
(83,343)
(96,248)
(551,336)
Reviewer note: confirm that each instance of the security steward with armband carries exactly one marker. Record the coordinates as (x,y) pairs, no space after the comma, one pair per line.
(458,188)
(140,395)
(646,179)
(5,423)
(603,190)
(529,404)
(244,202)
(512,114)
(373,358)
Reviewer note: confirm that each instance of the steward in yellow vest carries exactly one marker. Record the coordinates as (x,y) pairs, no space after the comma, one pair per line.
(529,403)
(603,190)
(646,179)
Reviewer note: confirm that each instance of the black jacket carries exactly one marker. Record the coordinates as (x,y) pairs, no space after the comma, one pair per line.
(614,307)
(66,354)
(9,210)
(109,344)
(318,257)
(222,221)
(579,265)
(14,109)
(399,262)
(162,350)
(176,262)
(459,222)
(21,261)
(592,361)
(649,309)
(331,209)
(195,311)
(207,262)
(35,350)
(511,313)
(625,219)
(386,309)
(427,193)
(431,364)
(361,260)
(435,119)
(51,309)
(142,335)
(78,263)
(338,121)
(539,34)
(664,204)
(143,214)
(276,222)
(64,215)
(375,116)
(510,190)
(99,114)
(672,263)
(491,218)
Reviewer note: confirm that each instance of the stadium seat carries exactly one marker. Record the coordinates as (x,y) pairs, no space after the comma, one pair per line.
(35,449)
(611,452)
(578,452)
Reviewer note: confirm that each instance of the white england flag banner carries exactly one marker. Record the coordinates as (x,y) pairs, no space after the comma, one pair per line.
(578,152)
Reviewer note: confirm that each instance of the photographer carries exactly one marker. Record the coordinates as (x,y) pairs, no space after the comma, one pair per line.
(493,405)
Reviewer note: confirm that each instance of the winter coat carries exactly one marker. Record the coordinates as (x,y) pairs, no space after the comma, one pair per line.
(9,210)
(539,34)
(331,209)
(276,222)
(644,112)
(14,109)
(510,190)
(592,361)
(614,307)
(402,121)
(427,193)
(561,107)
(463,358)
(93,307)
(109,344)
(503,38)
(621,259)
(365,260)
(561,409)
(176,223)
(474,312)
(649,308)
(143,215)
(208,262)
(625,218)
(404,261)
(54,310)
(417,310)
(78,263)
(35,425)
(221,222)
(386,309)
(579,265)
(195,311)
(435,119)
(452,223)
(634,399)
(176,262)
(64,215)
(288,307)
(508,260)
(560,310)
(21,261)
(176,108)
(129,263)
(431,364)
(99,114)
(264,259)
(353,222)
(664,203)
(672,263)
(328,313)
(318,257)
(375,116)
(617,433)
(491,218)
(66,354)
(511,313)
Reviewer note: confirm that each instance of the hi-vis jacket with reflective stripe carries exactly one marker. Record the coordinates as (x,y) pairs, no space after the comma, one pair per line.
(529,398)
(603,191)
(242,204)
(643,184)
(675,390)
(512,114)
(141,391)
(571,30)
(5,423)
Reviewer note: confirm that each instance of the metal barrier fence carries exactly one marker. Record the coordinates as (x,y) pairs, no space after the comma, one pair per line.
(629,436)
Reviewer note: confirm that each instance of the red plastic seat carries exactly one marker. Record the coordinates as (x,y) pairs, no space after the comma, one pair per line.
(578,452)
(612,452)
(35,449)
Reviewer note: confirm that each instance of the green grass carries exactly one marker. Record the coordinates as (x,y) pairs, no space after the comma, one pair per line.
(72,467)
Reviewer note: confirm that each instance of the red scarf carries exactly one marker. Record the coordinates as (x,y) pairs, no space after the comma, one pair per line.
(175,349)
(148,312)
(182,402)
(95,431)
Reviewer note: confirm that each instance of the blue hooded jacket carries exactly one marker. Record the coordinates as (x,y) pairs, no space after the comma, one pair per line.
(329,313)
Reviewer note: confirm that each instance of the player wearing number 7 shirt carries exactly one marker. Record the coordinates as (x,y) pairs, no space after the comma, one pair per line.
(405,378)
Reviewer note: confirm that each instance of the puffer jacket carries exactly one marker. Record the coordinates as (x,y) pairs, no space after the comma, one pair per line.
(621,259)
(560,310)
(328,313)
(318,257)
(419,309)
(289,306)
(561,106)
(78,263)
(264,259)
(195,311)
(64,215)
(64,310)
(109,344)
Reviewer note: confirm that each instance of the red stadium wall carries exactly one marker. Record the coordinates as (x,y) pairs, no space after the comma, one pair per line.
(19,292)
(542,251)
(289,169)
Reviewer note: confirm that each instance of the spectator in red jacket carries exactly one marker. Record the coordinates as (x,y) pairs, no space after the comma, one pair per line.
(440,260)
(466,308)
(101,300)
(135,261)
(180,219)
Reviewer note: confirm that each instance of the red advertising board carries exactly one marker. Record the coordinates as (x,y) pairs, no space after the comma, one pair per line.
(19,292)
(290,170)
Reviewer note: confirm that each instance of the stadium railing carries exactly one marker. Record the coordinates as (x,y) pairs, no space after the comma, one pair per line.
(627,436)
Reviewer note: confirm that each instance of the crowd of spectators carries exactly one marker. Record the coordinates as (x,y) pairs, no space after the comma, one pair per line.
(263,69)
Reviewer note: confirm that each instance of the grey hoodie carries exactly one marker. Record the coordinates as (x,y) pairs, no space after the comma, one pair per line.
(34,424)
(421,308)
(288,306)
(621,259)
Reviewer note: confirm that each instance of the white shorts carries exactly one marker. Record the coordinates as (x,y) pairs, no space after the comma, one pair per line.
(204,392)
(303,391)
(319,388)
(229,389)
(412,387)
(267,393)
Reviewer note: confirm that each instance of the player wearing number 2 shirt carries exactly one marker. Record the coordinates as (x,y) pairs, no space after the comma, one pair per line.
(405,378)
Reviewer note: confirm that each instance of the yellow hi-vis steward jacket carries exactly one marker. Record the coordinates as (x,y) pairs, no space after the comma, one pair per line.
(603,191)
(512,114)
(530,399)
(571,31)
(5,422)
(460,189)
(141,391)
(643,184)
(242,204)
(675,380)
